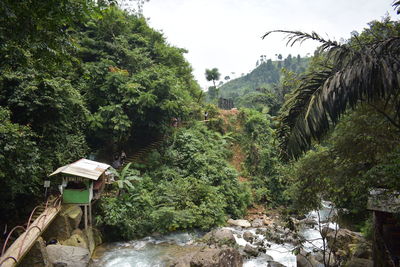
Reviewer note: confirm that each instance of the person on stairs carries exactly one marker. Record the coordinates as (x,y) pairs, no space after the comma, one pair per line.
(122,157)
(116,164)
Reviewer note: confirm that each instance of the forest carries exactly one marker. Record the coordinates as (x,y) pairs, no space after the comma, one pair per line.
(86,79)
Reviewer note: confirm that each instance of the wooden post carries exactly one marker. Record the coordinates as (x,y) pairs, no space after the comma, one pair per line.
(86,217)
(90,214)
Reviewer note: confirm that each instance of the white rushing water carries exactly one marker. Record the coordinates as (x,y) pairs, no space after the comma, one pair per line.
(155,251)
(146,252)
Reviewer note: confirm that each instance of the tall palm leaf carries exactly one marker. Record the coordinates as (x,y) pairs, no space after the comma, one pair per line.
(364,72)
(125,177)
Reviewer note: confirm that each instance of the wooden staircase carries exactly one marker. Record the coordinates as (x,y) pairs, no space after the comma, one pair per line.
(140,155)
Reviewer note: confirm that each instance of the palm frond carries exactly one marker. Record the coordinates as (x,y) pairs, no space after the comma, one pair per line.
(133,178)
(396,5)
(366,73)
(128,183)
(125,170)
(114,172)
(120,184)
(299,37)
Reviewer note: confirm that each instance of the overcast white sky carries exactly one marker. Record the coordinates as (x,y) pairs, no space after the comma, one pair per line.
(226,34)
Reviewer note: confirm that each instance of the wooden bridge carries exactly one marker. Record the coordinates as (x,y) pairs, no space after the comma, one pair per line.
(40,218)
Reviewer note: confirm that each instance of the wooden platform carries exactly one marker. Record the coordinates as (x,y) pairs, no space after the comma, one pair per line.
(25,241)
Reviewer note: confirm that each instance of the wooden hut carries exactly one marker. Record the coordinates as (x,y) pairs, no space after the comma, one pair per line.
(81,183)
(224,103)
(386,237)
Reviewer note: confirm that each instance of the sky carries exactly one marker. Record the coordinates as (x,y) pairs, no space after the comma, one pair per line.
(226,34)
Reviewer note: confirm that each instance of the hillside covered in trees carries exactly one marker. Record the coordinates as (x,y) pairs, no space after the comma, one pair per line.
(86,79)
(78,78)
(263,86)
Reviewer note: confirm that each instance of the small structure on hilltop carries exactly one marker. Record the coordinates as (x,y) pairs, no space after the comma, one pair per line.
(386,223)
(81,183)
(224,103)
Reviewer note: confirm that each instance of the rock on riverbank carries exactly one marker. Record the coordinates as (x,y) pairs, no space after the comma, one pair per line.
(71,246)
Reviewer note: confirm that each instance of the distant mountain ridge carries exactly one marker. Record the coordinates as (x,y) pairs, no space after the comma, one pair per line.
(263,76)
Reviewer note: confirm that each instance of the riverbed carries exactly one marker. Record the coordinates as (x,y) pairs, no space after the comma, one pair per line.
(157,251)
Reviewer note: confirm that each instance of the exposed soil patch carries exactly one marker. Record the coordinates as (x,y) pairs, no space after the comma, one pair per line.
(238,157)
(238,154)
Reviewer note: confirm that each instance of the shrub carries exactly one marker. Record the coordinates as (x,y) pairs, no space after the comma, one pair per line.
(188,185)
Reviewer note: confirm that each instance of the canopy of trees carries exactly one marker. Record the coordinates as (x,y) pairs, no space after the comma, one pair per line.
(76,77)
(354,86)
(365,69)
(80,77)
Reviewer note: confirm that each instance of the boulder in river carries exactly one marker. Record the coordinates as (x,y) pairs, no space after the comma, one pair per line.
(250,250)
(257,223)
(241,223)
(358,262)
(310,222)
(78,239)
(261,231)
(275,264)
(361,250)
(219,237)
(208,257)
(72,256)
(248,236)
(65,222)
(305,259)
(342,238)
(319,256)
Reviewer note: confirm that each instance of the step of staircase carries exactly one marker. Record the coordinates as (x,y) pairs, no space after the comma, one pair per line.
(139,156)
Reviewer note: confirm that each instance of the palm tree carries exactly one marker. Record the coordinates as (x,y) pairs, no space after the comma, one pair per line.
(212,75)
(361,70)
(125,177)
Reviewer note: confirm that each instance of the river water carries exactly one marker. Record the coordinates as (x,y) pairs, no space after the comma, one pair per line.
(157,251)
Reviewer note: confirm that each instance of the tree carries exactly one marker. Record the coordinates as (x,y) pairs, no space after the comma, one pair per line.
(133,81)
(362,70)
(19,167)
(288,61)
(213,92)
(38,29)
(75,73)
(212,75)
(270,66)
(360,154)
(42,116)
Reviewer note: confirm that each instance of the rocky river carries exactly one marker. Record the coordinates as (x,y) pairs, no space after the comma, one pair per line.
(260,242)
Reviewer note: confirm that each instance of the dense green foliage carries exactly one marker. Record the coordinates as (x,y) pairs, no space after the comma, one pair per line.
(76,78)
(188,185)
(364,69)
(362,152)
(133,82)
(80,77)
(19,163)
(261,164)
(43,115)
